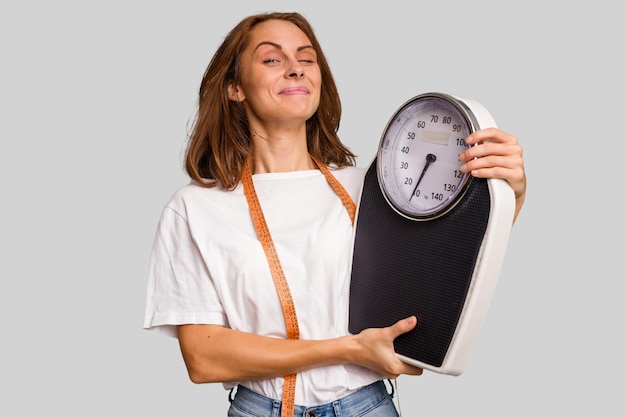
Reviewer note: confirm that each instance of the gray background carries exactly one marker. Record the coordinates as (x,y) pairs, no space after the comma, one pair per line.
(96,100)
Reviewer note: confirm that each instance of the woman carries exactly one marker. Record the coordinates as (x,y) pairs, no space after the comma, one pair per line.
(263,152)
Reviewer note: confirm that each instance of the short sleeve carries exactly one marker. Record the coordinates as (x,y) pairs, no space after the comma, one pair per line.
(180,289)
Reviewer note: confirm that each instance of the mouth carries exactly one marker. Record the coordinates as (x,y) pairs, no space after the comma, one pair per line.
(294,91)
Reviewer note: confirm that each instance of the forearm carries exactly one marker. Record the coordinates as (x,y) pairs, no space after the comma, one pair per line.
(217,354)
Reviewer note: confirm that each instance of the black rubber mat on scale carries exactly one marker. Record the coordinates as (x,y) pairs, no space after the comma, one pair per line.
(403,267)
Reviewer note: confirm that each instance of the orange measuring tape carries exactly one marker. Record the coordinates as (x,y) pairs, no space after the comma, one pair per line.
(280,281)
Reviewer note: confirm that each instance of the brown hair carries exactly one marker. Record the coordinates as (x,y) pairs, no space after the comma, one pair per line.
(219,142)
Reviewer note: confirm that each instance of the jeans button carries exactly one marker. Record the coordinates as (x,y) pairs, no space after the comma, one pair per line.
(310,414)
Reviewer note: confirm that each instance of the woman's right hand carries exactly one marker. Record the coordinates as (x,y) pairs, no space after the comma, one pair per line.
(375,349)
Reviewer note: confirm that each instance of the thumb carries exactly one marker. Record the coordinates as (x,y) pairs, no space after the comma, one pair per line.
(404,325)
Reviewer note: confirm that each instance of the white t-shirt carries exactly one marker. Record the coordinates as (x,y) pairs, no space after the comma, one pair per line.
(208,267)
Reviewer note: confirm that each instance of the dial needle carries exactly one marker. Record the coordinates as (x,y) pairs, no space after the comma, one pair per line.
(430,158)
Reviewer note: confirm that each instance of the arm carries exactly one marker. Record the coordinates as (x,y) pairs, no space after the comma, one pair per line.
(498,156)
(217,354)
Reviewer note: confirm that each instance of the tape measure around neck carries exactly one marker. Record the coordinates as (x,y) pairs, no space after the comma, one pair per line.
(347,201)
(280,281)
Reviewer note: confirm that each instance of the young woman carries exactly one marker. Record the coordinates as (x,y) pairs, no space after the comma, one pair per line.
(251,262)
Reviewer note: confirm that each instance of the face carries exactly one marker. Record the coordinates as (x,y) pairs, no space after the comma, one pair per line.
(280,77)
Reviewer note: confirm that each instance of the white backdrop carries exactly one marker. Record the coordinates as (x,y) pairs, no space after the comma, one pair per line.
(96,100)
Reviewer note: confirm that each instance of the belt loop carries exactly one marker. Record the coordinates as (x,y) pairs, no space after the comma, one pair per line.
(392,389)
(337,408)
(231,398)
(276,408)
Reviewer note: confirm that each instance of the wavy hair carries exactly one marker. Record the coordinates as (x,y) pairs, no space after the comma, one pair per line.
(220,141)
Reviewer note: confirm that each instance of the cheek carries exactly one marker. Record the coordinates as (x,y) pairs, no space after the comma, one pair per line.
(257,85)
(316,80)
(318,91)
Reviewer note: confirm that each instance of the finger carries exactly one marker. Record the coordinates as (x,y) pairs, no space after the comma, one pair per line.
(408,369)
(412,370)
(493,161)
(490,134)
(490,148)
(504,173)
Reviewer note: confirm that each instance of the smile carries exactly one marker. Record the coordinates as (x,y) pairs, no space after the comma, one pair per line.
(294,91)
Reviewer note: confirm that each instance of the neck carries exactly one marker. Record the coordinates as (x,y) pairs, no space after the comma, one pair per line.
(280,152)
(266,162)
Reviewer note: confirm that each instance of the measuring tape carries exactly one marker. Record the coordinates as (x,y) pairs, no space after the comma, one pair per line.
(280,281)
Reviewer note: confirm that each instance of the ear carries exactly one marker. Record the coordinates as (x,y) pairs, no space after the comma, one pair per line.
(235,94)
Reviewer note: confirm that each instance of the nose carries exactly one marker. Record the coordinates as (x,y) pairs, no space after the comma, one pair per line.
(296,70)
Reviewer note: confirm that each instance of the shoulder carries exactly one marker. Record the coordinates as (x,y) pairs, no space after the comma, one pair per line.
(193,195)
(350,173)
(350,177)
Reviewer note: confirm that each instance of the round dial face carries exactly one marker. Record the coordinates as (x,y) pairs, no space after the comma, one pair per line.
(418,166)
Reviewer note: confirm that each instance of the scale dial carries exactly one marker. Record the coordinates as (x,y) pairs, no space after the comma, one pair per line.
(418,156)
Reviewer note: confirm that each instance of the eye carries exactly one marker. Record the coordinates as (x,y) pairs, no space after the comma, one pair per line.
(307,57)
(271,60)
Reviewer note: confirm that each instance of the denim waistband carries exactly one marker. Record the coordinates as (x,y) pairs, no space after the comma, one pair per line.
(357,403)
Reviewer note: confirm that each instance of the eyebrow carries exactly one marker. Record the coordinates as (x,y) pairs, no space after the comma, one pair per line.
(277,46)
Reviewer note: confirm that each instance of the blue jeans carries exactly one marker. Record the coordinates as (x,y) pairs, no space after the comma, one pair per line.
(370,401)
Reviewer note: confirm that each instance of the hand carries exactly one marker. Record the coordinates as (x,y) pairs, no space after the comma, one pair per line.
(498,155)
(376,349)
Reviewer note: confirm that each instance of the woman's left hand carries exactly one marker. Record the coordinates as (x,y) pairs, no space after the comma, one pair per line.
(498,155)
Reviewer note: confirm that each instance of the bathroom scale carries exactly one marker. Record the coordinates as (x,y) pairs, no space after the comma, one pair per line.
(429,239)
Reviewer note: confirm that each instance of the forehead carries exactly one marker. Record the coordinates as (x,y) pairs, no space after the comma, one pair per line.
(277,31)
